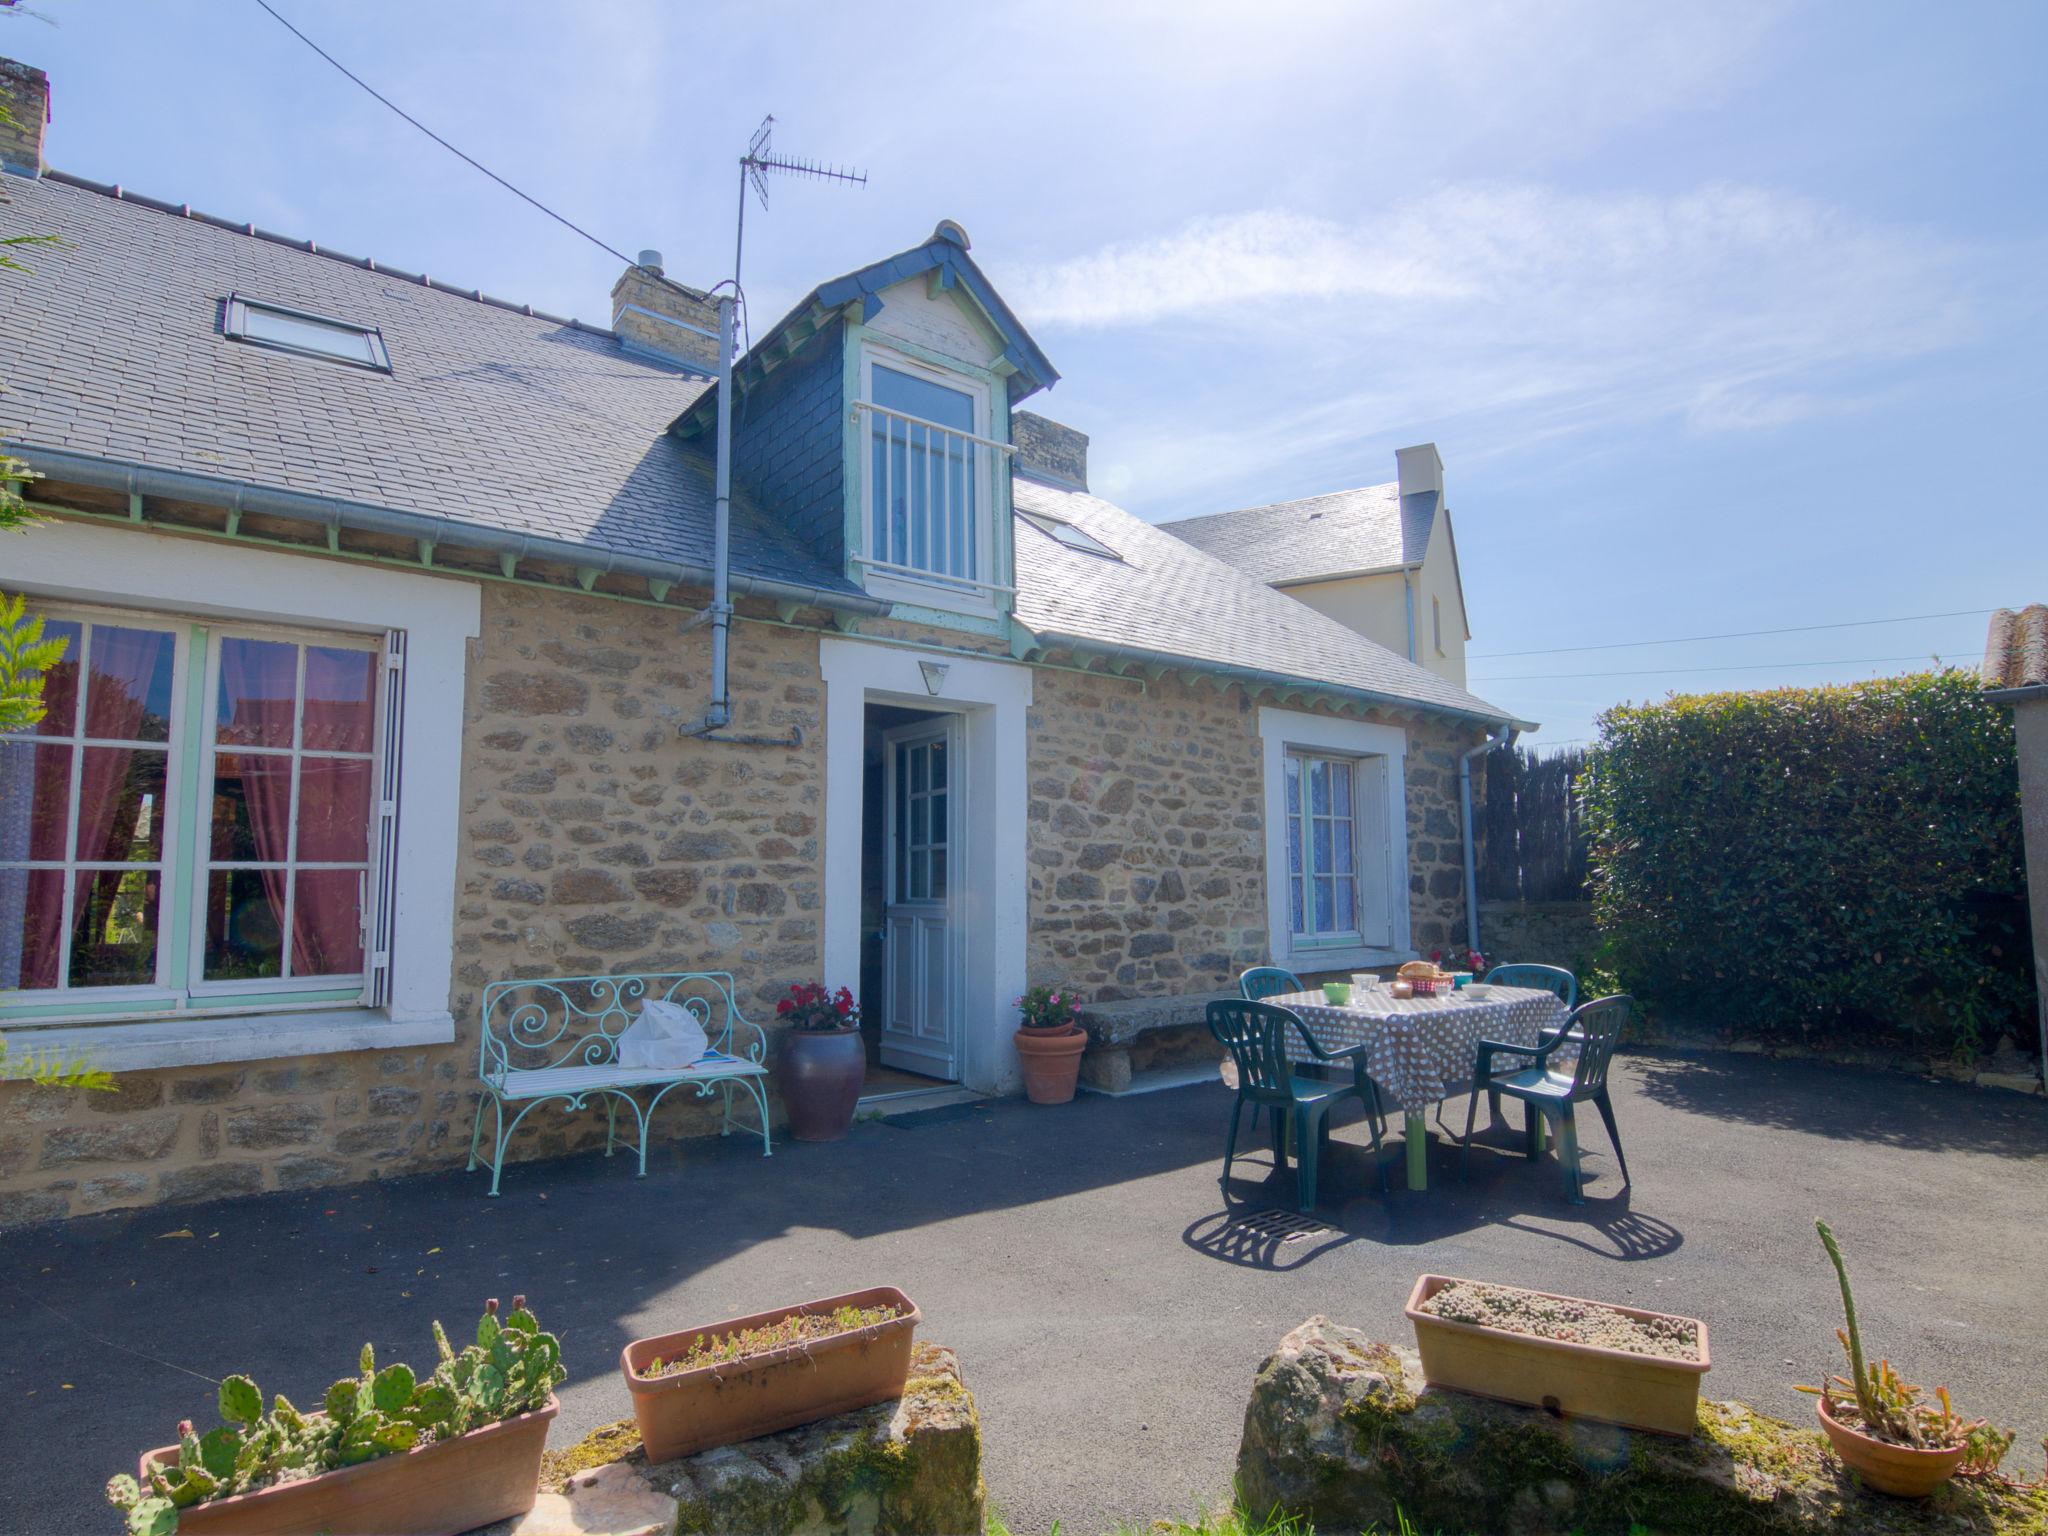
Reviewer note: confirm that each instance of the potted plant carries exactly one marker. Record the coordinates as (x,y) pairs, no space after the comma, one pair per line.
(824,1062)
(387,1453)
(1585,1359)
(1049,1045)
(750,1376)
(1882,1429)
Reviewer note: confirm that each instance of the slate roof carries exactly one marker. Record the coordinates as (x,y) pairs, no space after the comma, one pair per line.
(490,416)
(1318,537)
(1169,598)
(2016,648)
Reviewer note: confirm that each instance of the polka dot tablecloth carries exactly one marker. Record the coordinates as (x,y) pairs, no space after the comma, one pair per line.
(1421,1049)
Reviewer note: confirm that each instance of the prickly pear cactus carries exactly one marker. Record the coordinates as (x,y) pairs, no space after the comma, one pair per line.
(511,1369)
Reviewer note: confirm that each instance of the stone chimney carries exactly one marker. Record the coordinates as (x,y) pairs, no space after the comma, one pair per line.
(662,317)
(1049,450)
(1420,469)
(25,92)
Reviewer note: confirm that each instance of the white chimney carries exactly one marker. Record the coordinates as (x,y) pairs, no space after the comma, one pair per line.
(1420,469)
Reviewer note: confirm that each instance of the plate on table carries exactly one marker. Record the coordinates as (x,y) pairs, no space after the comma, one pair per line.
(1478,991)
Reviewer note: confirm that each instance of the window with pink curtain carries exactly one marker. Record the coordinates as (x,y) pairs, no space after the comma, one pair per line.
(289,845)
(82,814)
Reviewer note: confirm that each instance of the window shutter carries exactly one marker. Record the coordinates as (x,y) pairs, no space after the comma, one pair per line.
(380,910)
(1375,853)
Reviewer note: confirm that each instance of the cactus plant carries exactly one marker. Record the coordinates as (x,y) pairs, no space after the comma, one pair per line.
(511,1369)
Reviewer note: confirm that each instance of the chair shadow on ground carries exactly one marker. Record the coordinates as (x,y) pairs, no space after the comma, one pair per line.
(1819,1098)
(1259,1227)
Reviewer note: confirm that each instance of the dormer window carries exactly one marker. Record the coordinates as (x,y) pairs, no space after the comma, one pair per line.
(293,330)
(929,493)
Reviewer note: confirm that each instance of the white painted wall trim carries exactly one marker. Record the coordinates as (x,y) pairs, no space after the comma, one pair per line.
(206,579)
(992,697)
(1280,729)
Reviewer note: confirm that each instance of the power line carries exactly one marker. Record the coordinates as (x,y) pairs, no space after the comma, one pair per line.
(469,160)
(1739,634)
(1728,666)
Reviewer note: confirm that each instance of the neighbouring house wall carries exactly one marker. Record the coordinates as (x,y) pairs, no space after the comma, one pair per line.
(1369,605)
(2030,725)
(593,840)
(1438,581)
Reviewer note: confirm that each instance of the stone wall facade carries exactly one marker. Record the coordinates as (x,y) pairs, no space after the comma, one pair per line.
(595,840)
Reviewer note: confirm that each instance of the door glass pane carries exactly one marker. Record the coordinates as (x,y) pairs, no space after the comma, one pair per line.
(334,810)
(918,829)
(258,687)
(120,805)
(919,760)
(340,690)
(60,683)
(128,696)
(327,929)
(244,924)
(35,800)
(114,927)
(938,765)
(31,928)
(938,826)
(252,806)
(938,874)
(920,875)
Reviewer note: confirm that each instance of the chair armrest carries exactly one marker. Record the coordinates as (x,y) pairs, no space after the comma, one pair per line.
(1482,1069)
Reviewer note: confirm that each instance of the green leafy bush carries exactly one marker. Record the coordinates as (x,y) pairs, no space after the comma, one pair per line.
(1817,861)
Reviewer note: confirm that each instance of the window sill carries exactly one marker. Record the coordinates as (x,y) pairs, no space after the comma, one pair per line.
(1356,958)
(194,1042)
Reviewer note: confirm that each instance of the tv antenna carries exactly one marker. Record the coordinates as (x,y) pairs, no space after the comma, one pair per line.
(760,162)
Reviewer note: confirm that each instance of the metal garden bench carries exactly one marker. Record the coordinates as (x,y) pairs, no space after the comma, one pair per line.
(557,1038)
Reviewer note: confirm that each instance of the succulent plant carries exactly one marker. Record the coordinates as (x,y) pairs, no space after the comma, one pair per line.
(511,1369)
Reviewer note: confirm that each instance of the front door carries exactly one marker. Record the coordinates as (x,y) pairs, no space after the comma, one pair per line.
(921,987)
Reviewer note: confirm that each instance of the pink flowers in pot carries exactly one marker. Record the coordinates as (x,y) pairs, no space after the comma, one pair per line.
(808,1006)
(1043,1008)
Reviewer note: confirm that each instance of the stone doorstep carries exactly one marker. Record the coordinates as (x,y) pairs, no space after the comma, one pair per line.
(929,1442)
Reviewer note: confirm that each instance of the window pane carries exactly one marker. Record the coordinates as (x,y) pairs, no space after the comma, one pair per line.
(1294,906)
(340,691)
(1341,773)
(252,806)
(60,683)
(128,696)
(915,396)
(307,335)
(1293,775)
(1347,914)
(1318,786)
(114,927)
(35,800)
(244,924)
(327,923)
(1324,860)
(31,928)
(120,805)
(334,810)
(258,683)
(1342,864)
(1323,906)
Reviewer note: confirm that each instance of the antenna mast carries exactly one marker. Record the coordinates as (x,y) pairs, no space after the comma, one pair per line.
(759,162)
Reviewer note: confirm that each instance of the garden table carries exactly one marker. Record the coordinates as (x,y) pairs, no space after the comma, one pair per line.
(1419,1050)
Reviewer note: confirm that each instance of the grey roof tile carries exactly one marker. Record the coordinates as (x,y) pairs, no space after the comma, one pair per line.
(1341,533)
(490,416)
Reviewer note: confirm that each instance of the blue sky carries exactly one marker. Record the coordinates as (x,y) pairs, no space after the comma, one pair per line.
(1725,318)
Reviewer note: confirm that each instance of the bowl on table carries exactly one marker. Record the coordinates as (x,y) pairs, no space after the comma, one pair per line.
(1337,993)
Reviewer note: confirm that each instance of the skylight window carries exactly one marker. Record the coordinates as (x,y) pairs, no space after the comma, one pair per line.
(1069,535)
(293,330)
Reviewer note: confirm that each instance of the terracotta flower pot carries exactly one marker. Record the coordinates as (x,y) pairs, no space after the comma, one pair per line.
(737,1400)
(821,1074)
(1051,1059)
(1900,1470)
(442,1489)
(1585,1381)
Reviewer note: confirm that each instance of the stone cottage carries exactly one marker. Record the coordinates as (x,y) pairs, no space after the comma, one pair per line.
(390,674)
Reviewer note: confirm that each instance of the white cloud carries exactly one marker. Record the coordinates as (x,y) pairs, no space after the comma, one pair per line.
(1726,308)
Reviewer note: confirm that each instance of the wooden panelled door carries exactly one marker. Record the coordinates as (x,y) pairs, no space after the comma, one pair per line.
(921,990)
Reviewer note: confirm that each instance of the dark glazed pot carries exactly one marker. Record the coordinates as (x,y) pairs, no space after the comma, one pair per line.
(821,1076)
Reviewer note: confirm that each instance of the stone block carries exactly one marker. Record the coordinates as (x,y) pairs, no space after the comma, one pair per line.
(117,1141)
(1342,1432)
(274,1125)
(210,1181)
(214,1088)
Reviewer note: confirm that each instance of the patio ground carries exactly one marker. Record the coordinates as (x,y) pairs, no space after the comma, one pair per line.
(1107,1319)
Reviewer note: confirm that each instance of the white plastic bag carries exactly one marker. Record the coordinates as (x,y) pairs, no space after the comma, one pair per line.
(665,1036)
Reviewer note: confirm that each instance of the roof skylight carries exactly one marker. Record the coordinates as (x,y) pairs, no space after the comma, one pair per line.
(293,330)
(1069,535)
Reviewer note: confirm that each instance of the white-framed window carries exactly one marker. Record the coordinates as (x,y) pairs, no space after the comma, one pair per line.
(1336,840)
(295,330)
(928,484)
(196,823)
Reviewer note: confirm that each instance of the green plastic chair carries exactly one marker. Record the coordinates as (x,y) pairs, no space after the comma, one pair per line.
(1595,1028)
(1548,978)
(1264,981)
(1256,1036)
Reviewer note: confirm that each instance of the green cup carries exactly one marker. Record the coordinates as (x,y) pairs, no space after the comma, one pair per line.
(1337,993)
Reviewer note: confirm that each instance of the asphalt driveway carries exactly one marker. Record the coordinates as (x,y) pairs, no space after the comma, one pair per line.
(1108,1312)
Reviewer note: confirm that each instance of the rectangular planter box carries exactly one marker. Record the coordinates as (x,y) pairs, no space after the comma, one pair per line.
(740,1399)
(1586,1381)
(441,1489)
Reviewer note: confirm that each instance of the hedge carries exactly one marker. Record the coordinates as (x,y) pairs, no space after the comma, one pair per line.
(1830,862)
